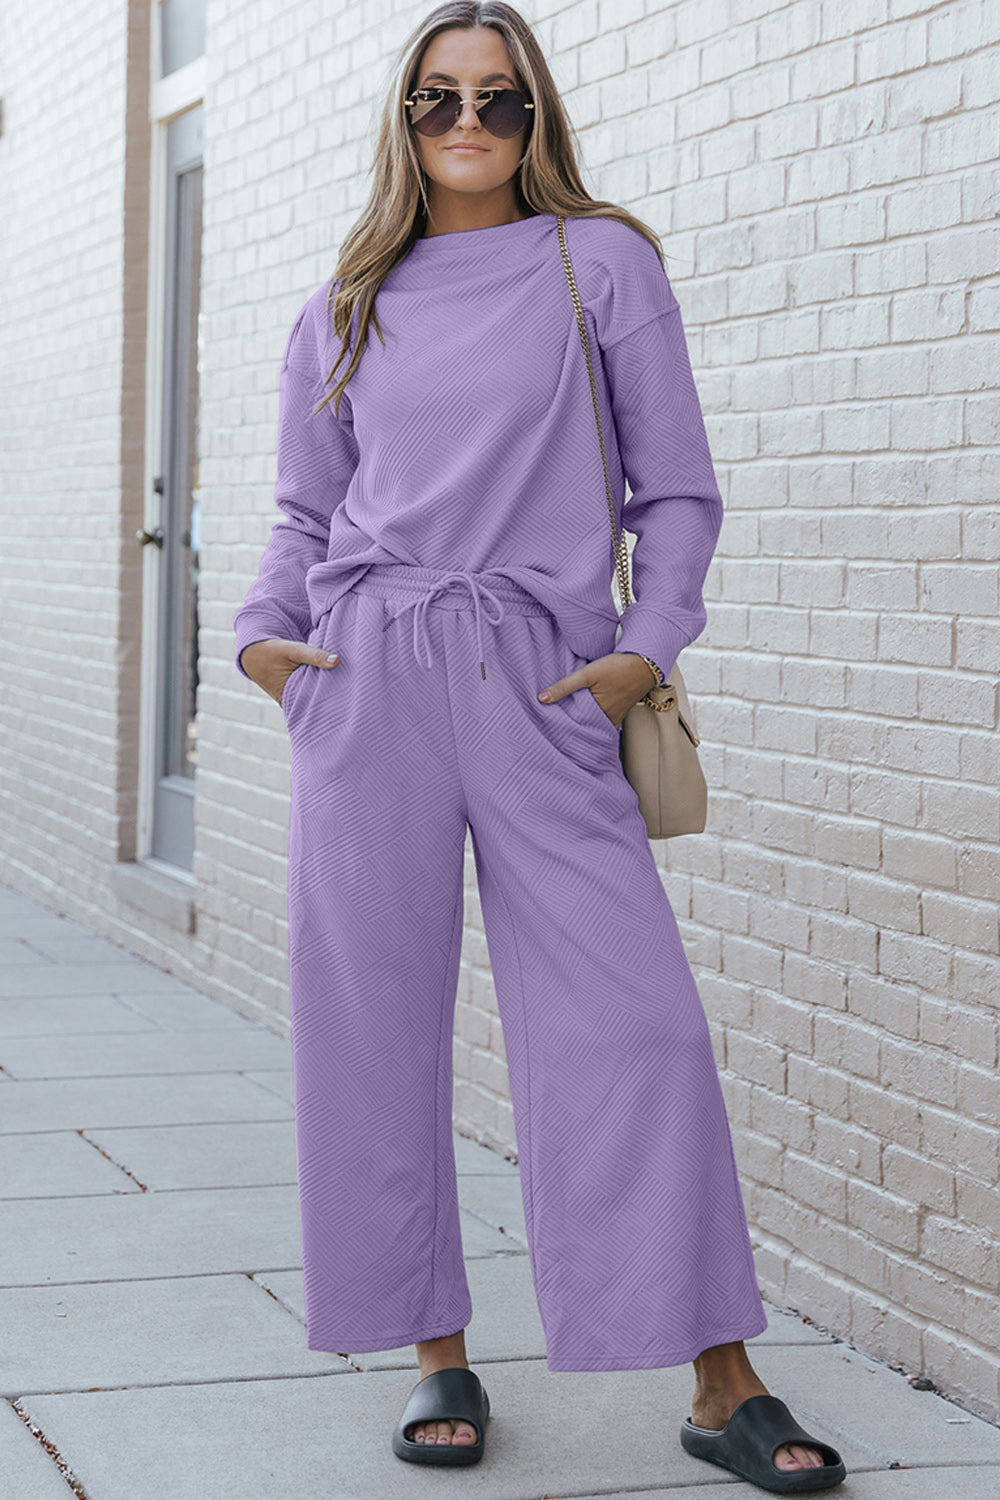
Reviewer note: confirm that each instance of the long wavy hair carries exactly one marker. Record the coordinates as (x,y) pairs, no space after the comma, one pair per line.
(547,179)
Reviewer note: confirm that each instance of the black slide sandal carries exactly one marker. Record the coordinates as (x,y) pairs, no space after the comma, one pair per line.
(748,1442)
(455,1393)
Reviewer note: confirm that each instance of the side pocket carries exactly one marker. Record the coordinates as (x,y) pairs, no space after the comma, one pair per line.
(315,638)
(289,690)
(595,710)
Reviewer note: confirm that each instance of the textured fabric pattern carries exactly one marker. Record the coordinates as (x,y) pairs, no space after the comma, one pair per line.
(467,439)
(638,1240)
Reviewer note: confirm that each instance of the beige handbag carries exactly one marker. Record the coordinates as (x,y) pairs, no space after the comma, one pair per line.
(658,740)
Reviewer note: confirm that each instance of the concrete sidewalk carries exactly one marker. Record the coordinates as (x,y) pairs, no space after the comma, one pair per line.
(152,1341)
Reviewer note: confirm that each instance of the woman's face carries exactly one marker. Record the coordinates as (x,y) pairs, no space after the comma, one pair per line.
(467,59)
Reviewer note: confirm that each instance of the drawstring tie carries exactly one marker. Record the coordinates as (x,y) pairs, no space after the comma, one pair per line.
(483,598)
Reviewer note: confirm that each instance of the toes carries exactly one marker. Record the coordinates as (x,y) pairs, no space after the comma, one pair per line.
(795,1456)
(456,1432)
(423,1432)
(443,1431)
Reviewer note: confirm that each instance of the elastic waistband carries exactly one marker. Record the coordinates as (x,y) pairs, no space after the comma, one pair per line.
(489,594)
(406,581)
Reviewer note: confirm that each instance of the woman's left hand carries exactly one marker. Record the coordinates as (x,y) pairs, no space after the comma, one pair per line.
(617,681)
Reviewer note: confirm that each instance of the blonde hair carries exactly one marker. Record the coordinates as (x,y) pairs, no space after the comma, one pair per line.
(547,179)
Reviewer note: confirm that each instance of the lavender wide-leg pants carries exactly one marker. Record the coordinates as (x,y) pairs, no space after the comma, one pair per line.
(638,1240)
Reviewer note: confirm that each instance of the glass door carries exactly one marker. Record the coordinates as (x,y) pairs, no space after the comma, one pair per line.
(177,538)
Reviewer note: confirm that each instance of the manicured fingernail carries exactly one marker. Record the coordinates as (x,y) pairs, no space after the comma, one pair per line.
(332,657)
(545,696)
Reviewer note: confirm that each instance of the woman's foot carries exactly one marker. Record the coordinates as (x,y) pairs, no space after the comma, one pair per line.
(442,1354)
(724,1377)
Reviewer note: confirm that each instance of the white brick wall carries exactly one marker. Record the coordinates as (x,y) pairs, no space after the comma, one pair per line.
(824,177)
(840,287)
(62,190)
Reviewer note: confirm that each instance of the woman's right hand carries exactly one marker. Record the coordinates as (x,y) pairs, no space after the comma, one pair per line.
(270,663)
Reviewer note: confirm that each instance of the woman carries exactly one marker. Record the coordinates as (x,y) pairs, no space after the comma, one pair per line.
(451,481)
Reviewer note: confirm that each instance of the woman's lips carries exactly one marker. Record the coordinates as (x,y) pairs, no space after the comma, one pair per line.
(479,150)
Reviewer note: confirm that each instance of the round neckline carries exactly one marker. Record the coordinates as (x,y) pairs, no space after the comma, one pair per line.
(460,238)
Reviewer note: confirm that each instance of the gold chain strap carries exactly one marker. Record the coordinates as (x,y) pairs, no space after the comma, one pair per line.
(666,692)
(621,550)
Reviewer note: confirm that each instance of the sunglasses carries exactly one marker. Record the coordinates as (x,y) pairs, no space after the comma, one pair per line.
(503,112)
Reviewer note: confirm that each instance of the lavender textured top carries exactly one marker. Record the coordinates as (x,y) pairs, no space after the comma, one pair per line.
(467,440)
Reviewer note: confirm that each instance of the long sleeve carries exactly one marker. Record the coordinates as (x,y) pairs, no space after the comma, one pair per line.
(675,509)
(317,456)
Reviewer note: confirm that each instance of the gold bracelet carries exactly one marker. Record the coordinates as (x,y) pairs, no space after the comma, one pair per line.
(653,668)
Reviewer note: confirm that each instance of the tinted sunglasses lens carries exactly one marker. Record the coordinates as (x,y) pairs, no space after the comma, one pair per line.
(435,111)
(505,113)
